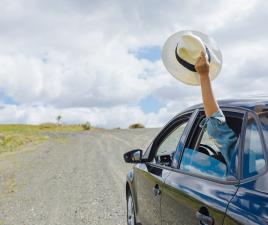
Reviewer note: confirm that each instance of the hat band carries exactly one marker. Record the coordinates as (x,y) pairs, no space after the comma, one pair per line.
(186,64)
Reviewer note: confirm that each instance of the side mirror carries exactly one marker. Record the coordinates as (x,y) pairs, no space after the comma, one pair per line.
(134,156)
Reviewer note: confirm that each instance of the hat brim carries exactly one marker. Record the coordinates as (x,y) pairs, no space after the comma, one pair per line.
(179,71)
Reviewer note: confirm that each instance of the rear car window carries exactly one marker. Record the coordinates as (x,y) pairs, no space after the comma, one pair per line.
(253,157)
(264,123)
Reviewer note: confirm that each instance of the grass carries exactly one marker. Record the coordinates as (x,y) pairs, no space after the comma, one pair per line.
(13,136)
(56,127)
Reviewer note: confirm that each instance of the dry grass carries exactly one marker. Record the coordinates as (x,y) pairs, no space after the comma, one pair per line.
(56,127)
(12,136)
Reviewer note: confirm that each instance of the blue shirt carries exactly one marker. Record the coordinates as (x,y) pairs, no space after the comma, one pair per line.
(223,135)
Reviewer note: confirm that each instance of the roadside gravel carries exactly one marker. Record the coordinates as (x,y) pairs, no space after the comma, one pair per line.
(73,179)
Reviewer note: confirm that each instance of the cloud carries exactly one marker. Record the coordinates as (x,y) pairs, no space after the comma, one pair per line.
(80,57)
(101,117)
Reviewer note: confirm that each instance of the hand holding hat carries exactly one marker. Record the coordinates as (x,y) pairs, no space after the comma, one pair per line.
(202,65)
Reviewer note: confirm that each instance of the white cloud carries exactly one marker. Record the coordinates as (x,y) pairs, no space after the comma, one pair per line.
(118,116)
(75,57)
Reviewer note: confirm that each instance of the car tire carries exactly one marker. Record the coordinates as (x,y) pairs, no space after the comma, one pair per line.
(131,216)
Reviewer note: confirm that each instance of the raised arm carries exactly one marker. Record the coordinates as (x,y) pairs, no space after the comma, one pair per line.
(210,103)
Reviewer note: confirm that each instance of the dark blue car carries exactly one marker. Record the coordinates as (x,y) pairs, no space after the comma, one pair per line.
(182,178)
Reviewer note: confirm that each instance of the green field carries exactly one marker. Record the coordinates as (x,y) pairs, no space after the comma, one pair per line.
(13,136)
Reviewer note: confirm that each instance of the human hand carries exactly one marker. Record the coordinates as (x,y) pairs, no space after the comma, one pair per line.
(202,65)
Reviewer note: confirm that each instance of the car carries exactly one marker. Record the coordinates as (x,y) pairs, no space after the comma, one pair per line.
(182,177)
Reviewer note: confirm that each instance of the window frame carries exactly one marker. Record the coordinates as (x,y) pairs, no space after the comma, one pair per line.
(167,130)
(259,129)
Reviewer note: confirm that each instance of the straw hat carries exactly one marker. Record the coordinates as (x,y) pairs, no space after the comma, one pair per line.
(181,51)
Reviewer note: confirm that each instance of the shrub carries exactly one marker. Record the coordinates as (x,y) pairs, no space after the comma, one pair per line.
(136,125)
(86,126)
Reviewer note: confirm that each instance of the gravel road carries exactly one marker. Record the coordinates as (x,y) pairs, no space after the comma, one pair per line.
(73,179)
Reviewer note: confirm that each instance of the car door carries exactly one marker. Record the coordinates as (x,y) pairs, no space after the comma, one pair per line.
(150,176)
(199,190)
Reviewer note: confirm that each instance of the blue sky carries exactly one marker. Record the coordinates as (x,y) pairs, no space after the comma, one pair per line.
(150,53)
(7,100)
(100,61)
(150,103)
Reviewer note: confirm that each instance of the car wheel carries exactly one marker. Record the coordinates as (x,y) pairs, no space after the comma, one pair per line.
(131,218)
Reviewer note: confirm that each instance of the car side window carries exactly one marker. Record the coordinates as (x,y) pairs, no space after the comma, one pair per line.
(253,157)
(168,146)
(203,156)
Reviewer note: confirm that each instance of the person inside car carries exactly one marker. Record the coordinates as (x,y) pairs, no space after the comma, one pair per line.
(215,122)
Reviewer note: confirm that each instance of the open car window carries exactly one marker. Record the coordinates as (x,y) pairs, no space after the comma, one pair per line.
(204,156)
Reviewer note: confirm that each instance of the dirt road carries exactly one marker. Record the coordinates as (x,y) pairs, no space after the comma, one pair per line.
(77,178)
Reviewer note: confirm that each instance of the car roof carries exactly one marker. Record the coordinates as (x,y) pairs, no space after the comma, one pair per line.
(246,103)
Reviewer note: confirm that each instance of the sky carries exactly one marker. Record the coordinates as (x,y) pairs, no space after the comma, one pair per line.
(100,61)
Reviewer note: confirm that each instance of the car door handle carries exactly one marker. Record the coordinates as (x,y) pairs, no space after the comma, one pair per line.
(156,190)
(204,219)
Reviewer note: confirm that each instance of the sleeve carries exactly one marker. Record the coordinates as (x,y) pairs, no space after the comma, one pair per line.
(223,135)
